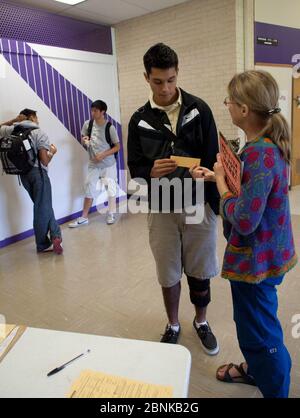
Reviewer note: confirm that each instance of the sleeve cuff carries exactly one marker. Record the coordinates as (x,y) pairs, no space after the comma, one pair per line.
(227,195)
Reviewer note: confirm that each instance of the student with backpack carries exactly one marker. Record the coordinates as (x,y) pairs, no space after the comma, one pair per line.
(25,150)
(100,139)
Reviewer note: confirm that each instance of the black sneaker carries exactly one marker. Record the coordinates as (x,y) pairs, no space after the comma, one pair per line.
(207,338)
(170,336)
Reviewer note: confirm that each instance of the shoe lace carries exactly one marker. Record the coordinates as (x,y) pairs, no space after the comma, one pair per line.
(205,329)
(169,332)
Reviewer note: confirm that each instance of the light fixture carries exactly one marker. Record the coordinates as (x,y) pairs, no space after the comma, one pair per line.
(70,2)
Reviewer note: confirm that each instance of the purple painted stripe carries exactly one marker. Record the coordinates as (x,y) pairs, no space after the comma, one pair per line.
(57,95)
(288,43)
(21,47)
(37,74)
(81,112)
(78,122)
(5,49)
(29,68)
(64,104)
(51,88)
(15,238)
(23,72)
(13,56)
(86,111)
(69,104)
(45,83)
(84,107)
(29,233)
(12,46)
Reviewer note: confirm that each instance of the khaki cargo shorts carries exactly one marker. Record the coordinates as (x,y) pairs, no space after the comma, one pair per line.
(179,247)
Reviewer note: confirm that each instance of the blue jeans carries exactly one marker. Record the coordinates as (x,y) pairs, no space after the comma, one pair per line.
(39,189)
(260,335)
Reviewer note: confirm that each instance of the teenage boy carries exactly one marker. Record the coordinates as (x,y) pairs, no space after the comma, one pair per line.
(102,163)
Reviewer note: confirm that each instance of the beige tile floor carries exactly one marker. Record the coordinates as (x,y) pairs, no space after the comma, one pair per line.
(105,284)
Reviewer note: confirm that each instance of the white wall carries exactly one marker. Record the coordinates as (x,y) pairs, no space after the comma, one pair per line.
(278,12)
(96,76)
(284,77)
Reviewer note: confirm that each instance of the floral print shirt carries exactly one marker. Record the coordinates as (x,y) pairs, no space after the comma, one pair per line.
(260,244)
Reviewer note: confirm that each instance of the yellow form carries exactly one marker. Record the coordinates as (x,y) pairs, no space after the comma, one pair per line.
(92,384)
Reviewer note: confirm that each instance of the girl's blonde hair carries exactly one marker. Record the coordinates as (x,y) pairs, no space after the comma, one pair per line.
(259,91)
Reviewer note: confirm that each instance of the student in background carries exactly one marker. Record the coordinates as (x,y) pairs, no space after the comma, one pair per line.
(260,249)
(37,183)
(102,163)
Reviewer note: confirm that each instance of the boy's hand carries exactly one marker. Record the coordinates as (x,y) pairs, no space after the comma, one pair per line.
(85,140)
(53,149)
(98,157)
(163,167)
(20,118)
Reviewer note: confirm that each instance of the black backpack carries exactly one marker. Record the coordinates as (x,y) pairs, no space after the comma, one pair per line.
(107,134)
(16,151)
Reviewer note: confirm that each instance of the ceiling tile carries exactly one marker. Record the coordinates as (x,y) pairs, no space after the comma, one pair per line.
(49,5)
(108,12)
(116,9)
(155,5)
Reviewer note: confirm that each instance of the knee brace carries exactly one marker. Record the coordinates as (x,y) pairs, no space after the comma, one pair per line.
(196,288)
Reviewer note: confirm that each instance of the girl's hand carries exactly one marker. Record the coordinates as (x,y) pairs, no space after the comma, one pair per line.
(198,172)
(218,167)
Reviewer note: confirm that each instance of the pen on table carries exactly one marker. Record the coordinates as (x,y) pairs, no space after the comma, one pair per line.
(58,369)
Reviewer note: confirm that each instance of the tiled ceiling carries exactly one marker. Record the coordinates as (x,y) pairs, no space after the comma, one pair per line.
(108,12)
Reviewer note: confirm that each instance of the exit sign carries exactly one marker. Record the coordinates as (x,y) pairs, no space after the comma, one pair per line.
(267,41)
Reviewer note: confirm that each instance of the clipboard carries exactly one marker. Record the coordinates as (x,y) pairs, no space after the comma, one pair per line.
(232,165)
(18,334)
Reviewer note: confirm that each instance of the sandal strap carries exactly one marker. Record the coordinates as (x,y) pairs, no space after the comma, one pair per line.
(245,375)
(242,378)
(241,370)
(227,374)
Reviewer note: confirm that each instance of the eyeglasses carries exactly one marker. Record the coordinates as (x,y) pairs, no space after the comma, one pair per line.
(227,101)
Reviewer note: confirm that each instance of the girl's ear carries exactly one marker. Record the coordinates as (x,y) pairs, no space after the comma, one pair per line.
(245,110)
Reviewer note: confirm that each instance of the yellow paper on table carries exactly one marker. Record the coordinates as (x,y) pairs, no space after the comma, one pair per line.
(9,336)
(186,162)
(92,384)
(5,330)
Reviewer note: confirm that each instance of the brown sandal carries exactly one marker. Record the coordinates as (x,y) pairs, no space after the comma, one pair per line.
(243,378)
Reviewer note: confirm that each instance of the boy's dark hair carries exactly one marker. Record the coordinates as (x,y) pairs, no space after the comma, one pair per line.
(160,56)
(99,104)
(28,112)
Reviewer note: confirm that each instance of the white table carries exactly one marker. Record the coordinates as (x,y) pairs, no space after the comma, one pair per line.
(23,371)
